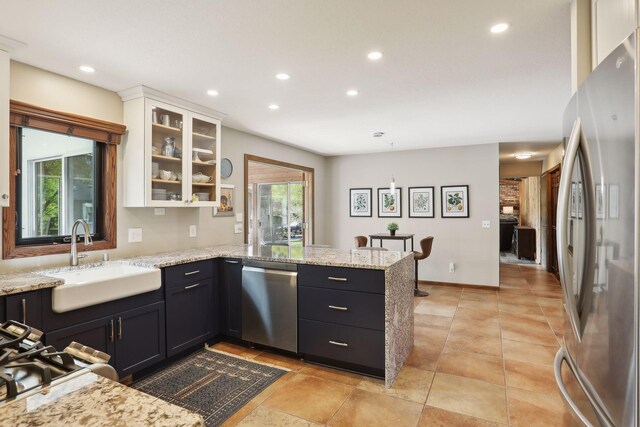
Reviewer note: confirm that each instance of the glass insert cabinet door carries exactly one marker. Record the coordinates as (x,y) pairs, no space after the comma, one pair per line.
(168,145)
(204,160)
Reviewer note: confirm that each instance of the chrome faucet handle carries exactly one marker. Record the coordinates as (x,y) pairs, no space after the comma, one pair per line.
(82,255)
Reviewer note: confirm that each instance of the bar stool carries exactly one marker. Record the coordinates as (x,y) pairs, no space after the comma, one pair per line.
(361,241)
(425,245)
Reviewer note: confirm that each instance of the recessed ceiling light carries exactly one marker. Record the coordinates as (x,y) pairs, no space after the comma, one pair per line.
(87,69)
(523,156)
(212,92)
(283,76)
(500,28)
(352,92)
(374,55)
(274,106)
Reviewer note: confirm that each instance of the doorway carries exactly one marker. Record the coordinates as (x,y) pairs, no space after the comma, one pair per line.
(552,181)
(279,205)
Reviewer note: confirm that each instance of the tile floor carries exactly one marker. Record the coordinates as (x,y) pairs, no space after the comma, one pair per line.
(481,358)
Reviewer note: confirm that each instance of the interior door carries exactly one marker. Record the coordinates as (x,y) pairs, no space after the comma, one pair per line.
(552,209)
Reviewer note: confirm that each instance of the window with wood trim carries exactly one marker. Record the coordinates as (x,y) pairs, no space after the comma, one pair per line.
(63,168)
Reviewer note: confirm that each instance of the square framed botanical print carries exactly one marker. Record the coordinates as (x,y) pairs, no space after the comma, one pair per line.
(360,202)
(389,203)
(455,201)
(421,202)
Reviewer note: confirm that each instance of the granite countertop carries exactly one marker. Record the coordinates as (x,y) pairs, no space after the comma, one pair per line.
(369,258)
(88,399)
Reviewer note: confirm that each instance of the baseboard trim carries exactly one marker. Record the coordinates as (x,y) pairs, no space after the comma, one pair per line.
(458,285)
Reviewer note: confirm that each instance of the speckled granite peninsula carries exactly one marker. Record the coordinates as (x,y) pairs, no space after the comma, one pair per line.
(91,400)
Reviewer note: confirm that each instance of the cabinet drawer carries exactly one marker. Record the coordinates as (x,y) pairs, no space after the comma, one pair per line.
(348,279)
(364,347)
(188,273)
(358,309)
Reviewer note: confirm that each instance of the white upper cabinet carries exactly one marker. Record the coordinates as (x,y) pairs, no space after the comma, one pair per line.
(171,151)
(612,22)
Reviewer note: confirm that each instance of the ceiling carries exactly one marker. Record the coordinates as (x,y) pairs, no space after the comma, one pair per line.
(539,150)
(444,79)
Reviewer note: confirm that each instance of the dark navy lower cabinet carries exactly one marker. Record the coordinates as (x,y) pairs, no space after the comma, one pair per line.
(139,338)
(191,310)
(98,334)
(231,297)
(25,308)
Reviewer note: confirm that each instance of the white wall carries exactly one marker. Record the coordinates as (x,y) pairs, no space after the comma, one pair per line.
(474,250)
(171,231)
(553,158)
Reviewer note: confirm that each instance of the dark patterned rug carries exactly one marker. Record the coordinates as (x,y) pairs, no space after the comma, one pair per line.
(209,383)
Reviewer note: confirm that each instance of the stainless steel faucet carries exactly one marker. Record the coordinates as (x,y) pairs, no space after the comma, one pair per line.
(74,237)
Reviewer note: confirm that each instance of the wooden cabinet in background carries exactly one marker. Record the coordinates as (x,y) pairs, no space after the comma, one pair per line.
(525,242)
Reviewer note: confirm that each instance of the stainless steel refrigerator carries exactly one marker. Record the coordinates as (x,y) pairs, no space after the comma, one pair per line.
(597,240)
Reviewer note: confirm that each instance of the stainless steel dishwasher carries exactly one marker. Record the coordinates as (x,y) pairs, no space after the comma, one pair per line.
(270,304)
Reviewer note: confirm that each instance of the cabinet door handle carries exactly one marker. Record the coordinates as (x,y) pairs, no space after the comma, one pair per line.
(192,286)
(23,303)
(339,344)
(111,330)
(192,272)
(338,279)
(228,261)
(119,328)
(335,307)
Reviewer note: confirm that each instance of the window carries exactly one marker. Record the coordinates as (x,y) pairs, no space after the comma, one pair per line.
(64,168)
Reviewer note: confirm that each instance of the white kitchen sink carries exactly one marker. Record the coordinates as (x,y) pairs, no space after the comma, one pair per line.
(107,282)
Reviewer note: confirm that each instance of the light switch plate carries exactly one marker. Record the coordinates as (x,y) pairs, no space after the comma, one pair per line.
(237,228)
(158,211)
(239,217)
(486,224)
(193,231)
(135,235)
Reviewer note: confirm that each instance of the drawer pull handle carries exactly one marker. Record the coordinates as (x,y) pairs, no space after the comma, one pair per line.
(191,287)
(338,279)
(339,344)
(335,307)
(231,261)
(192,272)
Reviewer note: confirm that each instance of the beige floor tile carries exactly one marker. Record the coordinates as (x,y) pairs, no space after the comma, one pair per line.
(238,416)
(542,335)
(549,302)
(488,328)
(367,409)
(443,299)
(288,362)
(440,322)
(468,396)
(527,376)
(489,346)
(438,290)
(529,353)
(343,377)
(520,309)
(430,335)
(523,319)
(424,356)
(479,305)
(435,309)
(310,398)
(519,300)
(485,368)
(280,382)
(479,296)
(411,384)
(553,311)
(530,409)
(238,350)
(266,417)
(475,314)
(436,417)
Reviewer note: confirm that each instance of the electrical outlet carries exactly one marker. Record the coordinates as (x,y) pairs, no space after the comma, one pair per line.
(237,228)
(158,211)
(452,267)
(239,217)
(135,235)
(193,232)
(486,224)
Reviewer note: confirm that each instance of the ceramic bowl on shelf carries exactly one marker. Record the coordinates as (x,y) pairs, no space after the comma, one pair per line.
(201,178)
(203,197)
(166,175)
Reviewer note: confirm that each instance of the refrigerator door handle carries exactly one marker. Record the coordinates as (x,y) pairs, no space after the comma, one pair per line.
(561,224)
(561,356)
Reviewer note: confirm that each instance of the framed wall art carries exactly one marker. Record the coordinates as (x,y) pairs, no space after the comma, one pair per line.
(389,203)
(227,201)
(360,202)
(455,201)
(421,202)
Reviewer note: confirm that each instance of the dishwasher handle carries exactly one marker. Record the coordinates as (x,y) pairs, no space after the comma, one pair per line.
(247,269)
